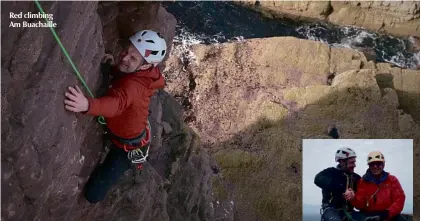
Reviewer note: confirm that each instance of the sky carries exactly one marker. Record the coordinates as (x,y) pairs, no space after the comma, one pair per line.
(319,154)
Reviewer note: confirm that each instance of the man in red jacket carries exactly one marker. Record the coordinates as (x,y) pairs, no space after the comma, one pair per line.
(379,193)
(125,107)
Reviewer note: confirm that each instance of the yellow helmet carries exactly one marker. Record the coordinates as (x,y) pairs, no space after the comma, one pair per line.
(375,156)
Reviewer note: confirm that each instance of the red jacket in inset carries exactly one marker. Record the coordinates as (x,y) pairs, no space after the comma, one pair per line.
(125,106)
(389,196)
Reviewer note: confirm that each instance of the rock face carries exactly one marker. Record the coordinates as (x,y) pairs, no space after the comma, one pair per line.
(252,107)
(48,153)
(405,82)
(45,148)
(396,18)
(297,9)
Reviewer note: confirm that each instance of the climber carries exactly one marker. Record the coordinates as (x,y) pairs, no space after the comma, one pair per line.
(379,193)
(334,182)
(125,107)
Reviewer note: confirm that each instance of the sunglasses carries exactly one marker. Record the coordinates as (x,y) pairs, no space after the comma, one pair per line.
(375,164)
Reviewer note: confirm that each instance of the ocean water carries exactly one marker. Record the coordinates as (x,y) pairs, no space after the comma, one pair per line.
(213,22)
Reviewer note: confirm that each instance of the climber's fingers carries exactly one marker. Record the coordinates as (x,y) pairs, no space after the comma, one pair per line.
(73,109)
(74,92)
(70,103)
(78,90)
(75,100)
(70,96)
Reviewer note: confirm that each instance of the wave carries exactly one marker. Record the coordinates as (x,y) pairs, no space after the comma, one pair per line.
(385,47)
(217,22)
(185,39)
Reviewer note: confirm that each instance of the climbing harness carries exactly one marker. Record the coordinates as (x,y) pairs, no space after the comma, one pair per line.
(101,119)
(135,146)
(347,215)
(344,209)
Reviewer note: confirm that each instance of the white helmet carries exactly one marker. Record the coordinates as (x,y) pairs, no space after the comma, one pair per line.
(151,45)
(344,153)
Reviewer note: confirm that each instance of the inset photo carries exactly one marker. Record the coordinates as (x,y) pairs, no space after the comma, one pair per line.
(357,179)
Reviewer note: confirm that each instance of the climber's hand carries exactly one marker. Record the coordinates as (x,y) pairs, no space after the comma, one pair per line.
(349,194)
(75,100)
(108,58)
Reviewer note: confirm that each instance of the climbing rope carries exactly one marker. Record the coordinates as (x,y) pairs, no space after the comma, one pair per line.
(101,119)
(349,184)
(348,216)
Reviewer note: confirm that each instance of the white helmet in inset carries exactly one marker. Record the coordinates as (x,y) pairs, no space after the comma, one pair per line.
(344,153)
(151,45)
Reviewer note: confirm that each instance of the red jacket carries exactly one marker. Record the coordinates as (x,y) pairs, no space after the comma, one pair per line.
(390,195)
(125,106)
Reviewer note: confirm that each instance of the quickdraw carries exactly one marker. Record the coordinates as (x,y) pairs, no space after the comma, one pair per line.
(136,155)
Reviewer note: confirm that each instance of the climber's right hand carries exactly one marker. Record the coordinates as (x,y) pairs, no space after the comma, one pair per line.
(75,100)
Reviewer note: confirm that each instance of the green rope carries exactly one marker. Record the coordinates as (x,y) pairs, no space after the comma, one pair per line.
(348,216)
(101,119)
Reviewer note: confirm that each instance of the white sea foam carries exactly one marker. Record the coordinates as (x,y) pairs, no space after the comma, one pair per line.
(354,39)
(182,45)
(185,39)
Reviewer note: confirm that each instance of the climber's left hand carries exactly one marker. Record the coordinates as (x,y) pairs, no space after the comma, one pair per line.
(75,100)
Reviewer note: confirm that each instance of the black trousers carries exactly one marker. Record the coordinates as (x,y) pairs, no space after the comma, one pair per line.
(106,175)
